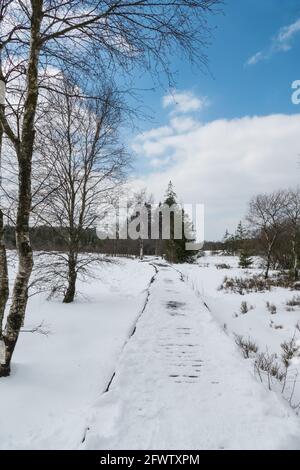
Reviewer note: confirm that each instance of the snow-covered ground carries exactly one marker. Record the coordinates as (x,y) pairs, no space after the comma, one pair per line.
(266,329)
(181,384)
(56,378)
(180,381)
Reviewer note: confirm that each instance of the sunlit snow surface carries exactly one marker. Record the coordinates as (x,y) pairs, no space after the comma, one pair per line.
(180,382)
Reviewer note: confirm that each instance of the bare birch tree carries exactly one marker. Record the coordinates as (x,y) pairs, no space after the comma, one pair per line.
(4,286)
(266,217)
(292,214)
(141,212)
(84,164)
(39,36)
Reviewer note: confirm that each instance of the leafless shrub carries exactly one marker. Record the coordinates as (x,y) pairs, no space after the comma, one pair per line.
(203,265)
(245,308)
(290,349)
(271,308)
(223,266)
(242,286)
(268,364)
(276,327)
(248,347)
(282,279)
(294,302)
(256,283)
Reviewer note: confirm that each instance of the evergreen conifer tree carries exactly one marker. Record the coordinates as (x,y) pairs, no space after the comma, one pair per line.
(228,244)
(241,234)
(175,249)
(245,260)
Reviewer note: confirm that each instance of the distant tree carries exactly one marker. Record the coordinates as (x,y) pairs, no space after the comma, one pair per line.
(175,248)
(157,221)
(170,196)
(292,214)
(245,260)
(266,216)
(171,245)
(187,256)
(142,202)
(240,235)
(241,243)
(228,244)
(84,163)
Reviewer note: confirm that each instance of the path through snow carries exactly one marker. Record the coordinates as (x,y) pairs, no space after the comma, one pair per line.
(181,384)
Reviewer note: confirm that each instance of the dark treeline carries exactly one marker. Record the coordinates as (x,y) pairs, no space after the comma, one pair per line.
(44,238)
(50,238)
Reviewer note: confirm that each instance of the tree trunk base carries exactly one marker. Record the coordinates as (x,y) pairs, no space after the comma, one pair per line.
(69,296)
(4,371)
(68,300)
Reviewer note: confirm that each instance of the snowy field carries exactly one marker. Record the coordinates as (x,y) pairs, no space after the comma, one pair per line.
(56,378)
(267,328)
(180,380)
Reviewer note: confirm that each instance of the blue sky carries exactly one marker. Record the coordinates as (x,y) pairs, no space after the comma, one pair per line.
(253,60)
(235,90)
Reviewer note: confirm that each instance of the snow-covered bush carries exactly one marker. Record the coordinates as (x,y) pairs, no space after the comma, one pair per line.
(223,266)
(240,285)
(267,363)
(248,347)
(245,308)
(271,308)
(294,302)
(256,283)
(290,350)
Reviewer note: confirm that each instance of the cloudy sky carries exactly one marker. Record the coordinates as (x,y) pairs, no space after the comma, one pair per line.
(232,132)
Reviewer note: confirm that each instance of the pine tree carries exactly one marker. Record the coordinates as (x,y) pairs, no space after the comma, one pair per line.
(175,249)
(245,260)
(170,245)
(170,196)
(228,244)
(241,233)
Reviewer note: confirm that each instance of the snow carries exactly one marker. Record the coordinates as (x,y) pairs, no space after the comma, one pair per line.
(267,330)
(56,378)
(179,380)
(181,384)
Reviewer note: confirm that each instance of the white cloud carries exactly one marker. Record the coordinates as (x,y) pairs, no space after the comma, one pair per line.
(183,124)
(286,34)
(280,43)
(222,163)
(184,102)
(255,58)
